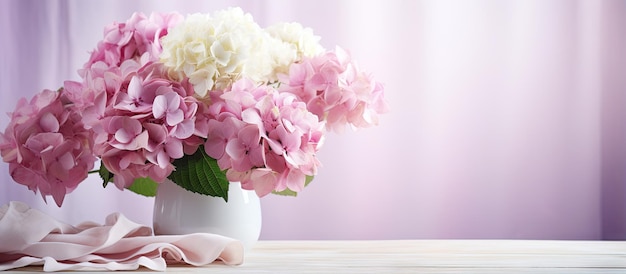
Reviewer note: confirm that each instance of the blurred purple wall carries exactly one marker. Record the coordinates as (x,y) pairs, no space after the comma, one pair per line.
(507,117)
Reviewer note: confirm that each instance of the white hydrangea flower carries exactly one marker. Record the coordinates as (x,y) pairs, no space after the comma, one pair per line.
(280,55)
(301,41)
(214,51)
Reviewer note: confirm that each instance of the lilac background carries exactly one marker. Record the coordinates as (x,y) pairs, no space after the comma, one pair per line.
(507,116)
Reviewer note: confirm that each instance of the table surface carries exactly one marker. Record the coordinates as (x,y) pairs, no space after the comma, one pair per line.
(421,256)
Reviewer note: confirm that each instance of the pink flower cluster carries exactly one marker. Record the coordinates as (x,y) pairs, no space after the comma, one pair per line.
(126,47)
(336,90)
(138,37)
(148,122)
(265,139)
(46,145)
(141,119)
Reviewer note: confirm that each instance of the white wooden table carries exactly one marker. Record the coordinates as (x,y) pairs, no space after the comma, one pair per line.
(423,256)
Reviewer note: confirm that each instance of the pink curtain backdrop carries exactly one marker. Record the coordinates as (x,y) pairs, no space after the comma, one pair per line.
(507,117)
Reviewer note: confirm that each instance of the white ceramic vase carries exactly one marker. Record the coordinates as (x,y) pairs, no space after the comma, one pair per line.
(179,211)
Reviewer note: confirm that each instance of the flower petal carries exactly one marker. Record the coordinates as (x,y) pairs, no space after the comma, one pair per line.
(175,117)
(49,123)
(134,87)
(235,149)
(174,149)
(159,107)
(184,129)
(122,136)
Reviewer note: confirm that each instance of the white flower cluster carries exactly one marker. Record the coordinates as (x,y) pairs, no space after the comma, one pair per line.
(214,50)
(301,40)
(297,42)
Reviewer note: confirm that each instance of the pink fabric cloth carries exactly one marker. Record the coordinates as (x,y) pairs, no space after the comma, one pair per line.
(30,237)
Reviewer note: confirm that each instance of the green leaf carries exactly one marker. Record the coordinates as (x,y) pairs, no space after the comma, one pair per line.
(289,192)
(144,186)
(106,175)
(201,174)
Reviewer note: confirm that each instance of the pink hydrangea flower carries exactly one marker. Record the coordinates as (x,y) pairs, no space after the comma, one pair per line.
(126,48)
(141,120)
(218,136)
(145,125)
(138,37)
(336,91)
(46,146)
(267,140)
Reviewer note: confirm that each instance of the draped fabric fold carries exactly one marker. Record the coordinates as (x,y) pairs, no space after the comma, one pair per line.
(30,237)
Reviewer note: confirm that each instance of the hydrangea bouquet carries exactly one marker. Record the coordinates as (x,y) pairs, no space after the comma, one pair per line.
(203,100)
